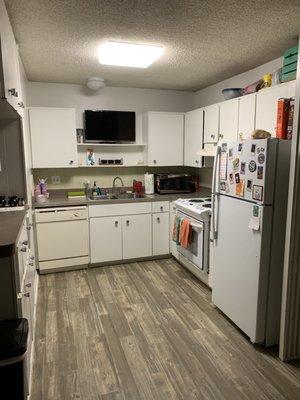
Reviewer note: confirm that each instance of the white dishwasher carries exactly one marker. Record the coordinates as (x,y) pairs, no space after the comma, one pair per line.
(62,238)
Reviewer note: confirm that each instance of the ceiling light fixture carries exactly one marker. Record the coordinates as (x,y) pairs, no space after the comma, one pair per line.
(129,54)
(95,83)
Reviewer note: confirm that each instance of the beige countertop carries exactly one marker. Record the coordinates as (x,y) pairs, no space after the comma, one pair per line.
(61,200)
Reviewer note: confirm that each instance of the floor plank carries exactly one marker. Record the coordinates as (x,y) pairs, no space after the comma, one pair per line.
(145,331)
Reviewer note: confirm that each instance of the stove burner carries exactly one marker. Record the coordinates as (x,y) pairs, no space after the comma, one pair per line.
(196,201)
(206,205)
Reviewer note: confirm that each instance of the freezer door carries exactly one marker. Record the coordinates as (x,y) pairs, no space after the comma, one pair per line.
(240,273)
(247,169)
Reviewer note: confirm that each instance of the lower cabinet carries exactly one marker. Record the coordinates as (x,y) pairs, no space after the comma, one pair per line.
(117,238)
(137,236)
(160,233)
(105,239)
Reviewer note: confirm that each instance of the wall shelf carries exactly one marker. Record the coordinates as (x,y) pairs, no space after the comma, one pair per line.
(111,145)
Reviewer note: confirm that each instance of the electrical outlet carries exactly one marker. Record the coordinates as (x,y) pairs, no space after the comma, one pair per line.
(55,180)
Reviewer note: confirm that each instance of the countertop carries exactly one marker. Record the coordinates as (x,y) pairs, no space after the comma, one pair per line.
(63,201)
(10,225)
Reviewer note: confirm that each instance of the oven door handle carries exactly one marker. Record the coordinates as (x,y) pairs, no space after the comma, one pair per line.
(197,227)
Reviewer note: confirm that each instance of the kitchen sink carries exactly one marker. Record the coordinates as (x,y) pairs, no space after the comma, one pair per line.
(117,196)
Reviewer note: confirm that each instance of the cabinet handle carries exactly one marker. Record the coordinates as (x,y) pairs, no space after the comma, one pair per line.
(76,215)
(25,243)
(31,263)
(116,223)
(154,161)
(212,136)
(27,294)
(13,92)
(21,104)
(158,219)
(161,208)
(221,136)
(28,285)
(127,222)
(197,161)
(241,135)
(28,228)
(71,162)
(32,258)
(23,249)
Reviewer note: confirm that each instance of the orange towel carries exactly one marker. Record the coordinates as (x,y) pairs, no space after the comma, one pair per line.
(185,233)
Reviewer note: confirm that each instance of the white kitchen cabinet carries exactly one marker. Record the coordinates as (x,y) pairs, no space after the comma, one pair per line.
(53,137)
(247,110)
(160,233)
(137,236)
(105,239)
(163,132)
(211,124)
(266,105)
(10,62)
(228,124)
(193,137)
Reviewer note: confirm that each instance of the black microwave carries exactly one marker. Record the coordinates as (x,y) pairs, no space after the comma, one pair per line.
(173,183)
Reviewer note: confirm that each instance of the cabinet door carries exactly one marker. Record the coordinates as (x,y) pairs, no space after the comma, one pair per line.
(266,106)
(9,60)
(211,124)
(193,137)
(247,108)
(137,237)
(161,233)
(165,139)
(105,239)
(53,137)
(229,111)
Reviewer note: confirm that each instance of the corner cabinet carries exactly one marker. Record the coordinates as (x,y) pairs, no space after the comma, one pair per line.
(266,105)
(193,137)
(163,131)
(53,137)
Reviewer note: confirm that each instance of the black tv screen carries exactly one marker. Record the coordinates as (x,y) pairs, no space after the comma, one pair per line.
(109,126)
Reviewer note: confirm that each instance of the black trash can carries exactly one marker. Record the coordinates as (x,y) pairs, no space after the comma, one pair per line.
(13,346)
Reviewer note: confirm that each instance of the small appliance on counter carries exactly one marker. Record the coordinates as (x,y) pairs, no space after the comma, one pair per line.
(174,183)
(41,193)
(11,202)
(149,183)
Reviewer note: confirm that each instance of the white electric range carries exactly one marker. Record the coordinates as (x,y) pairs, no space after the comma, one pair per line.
(196,255)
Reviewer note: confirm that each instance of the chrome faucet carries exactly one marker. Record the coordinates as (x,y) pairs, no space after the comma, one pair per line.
(114,182)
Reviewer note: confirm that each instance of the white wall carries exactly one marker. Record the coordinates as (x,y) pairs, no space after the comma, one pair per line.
(213,94)
(111,98)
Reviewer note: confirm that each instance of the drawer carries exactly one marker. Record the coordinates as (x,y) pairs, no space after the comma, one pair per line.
(160,206)
(107,210)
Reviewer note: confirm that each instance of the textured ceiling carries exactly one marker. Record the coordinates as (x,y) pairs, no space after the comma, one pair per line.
(205,41)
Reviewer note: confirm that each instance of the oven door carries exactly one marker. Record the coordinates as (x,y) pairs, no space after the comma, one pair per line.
(194,251)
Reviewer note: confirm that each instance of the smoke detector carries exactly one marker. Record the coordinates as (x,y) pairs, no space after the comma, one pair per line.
(95,83)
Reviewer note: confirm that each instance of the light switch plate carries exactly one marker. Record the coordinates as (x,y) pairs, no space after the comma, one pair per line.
(55,180)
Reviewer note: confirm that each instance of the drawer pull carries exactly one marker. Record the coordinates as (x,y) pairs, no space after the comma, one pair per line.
(161,208)
(23,249)
(27,294)
(158,219)
(127,222)
(28,285)
(25,243)
(116,223)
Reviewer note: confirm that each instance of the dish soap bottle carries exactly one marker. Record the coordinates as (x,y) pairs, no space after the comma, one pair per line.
(95,189)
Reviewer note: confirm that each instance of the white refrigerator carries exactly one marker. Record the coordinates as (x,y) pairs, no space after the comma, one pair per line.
(249,202)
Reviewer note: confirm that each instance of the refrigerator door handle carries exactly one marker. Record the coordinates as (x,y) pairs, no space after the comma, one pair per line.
(214,196)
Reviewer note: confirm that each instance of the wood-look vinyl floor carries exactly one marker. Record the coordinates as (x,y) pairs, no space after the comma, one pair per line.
(146,330)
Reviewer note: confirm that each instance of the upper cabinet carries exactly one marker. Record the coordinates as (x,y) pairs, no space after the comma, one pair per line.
(163,133)
(193,137)
(266,106)
(228,123)
(211,124)
(53,137)
(9,70)
(246,116)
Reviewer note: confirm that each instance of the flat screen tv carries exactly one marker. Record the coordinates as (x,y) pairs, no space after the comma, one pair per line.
(103,126)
